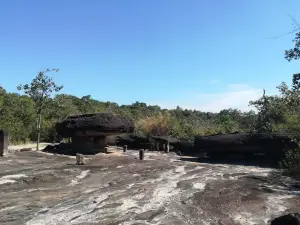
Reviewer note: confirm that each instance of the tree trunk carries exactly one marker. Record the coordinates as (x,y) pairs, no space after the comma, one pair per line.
(38,131)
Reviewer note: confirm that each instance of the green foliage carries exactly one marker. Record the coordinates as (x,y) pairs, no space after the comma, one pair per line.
(294,53)
(40,91)
(19,115)
(282,114)
(291,158)
(16,116)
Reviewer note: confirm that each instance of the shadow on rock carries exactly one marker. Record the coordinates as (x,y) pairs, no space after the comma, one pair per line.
(253,161)
(66,149)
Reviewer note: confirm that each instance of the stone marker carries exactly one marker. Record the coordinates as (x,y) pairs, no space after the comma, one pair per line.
(124,148)
(167,149)
(142,154)
(105,150)
(80,159)
(3,143)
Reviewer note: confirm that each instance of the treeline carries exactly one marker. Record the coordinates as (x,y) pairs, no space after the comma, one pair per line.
(275,113)
(19,117)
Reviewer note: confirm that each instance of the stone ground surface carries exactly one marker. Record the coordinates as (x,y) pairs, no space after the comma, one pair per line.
(28,145)
(44,189)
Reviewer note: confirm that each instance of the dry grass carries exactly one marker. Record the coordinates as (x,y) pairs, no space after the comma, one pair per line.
(158,123)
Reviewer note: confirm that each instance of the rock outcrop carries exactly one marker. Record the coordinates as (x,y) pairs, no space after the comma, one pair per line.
(270,144)
(133,141)
(290,219)
(106,123)
(88,132)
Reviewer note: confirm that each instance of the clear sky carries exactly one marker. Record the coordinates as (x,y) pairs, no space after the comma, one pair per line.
(197,54)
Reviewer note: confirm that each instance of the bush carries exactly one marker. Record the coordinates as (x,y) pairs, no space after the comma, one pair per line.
(291,159)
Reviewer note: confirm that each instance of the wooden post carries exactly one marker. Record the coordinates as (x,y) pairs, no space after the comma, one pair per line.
(142,154)
(3,142)
(124,148)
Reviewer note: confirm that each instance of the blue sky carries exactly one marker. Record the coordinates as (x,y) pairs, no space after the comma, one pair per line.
(204,55)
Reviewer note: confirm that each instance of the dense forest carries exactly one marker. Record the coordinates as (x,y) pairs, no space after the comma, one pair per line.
(19,117)
(275,113)
(40,102)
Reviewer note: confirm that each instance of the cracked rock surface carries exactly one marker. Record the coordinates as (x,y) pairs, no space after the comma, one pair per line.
(38,188)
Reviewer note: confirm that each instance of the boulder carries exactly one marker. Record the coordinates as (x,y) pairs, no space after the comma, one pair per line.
(133,141)
(272,143)
(97,124)
(290,219)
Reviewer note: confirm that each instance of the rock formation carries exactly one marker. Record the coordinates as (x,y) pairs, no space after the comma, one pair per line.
(270,144)
(290,219)
(89,132)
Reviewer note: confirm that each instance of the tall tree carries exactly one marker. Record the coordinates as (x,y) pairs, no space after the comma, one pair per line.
(294,53)
(40,90)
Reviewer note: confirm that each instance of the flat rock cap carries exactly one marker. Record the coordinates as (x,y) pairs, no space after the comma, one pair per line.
(98,122)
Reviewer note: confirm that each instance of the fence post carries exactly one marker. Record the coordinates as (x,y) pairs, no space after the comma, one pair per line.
(142,154)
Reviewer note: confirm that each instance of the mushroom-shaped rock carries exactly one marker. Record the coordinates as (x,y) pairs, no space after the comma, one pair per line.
(98,123)
(89,131)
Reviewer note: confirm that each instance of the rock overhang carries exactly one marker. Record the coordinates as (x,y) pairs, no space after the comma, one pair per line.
(97,124)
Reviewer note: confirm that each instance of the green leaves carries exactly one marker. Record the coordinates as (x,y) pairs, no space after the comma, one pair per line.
(294,53)
(40,89)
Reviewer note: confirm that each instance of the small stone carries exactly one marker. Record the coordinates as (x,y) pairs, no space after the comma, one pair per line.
(80,160)
(94,201)
(112,183)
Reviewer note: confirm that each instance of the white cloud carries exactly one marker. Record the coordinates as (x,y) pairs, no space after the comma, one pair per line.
(236,96)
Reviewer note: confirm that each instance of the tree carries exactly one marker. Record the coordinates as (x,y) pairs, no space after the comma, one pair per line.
(40,90)
(294,53)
